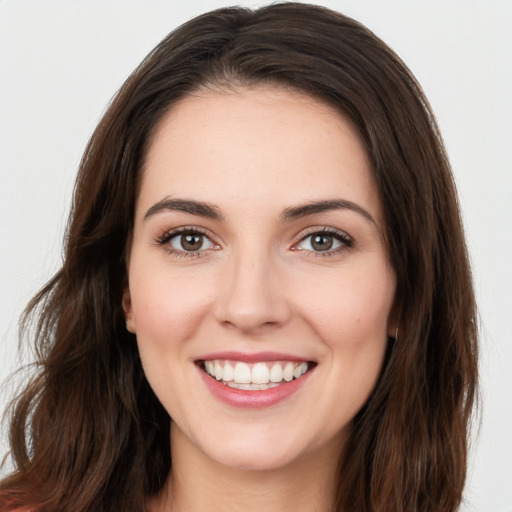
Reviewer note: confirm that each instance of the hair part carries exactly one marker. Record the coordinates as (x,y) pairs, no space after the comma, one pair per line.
(89,434)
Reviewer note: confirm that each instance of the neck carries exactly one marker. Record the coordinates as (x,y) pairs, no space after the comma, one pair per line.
(199,483)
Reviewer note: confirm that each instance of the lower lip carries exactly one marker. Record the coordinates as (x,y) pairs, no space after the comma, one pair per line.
(253,399)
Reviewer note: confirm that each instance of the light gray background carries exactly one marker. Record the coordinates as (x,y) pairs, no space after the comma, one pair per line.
(61,62)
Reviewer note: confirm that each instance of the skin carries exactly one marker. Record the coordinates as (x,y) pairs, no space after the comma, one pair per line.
(258,284)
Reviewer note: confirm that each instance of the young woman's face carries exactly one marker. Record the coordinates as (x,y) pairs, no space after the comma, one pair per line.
(258,255)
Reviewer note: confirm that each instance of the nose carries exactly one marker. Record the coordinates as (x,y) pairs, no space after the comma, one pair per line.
(251,297)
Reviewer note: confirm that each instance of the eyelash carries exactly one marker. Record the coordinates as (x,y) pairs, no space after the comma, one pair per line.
(345,240)
(164,240)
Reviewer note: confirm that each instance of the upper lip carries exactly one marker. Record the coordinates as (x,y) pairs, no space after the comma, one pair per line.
(254,357)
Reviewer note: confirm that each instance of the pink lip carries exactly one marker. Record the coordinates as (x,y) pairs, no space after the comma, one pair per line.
(251,358)
(252,399)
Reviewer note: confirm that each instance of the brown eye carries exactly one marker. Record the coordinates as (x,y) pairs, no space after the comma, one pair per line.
(321,242)
(325,241)
(190,242)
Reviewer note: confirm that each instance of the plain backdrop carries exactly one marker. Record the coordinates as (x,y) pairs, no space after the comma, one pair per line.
(62,61)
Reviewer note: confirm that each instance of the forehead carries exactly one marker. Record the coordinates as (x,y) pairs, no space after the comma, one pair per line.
(257,146)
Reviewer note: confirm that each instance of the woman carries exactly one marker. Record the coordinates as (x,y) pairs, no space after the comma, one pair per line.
(265,246)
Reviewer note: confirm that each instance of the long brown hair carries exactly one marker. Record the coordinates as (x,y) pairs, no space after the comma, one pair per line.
(88,434)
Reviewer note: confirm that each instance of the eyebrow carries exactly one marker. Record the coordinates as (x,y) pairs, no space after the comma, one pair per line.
(184,205)
(295,212)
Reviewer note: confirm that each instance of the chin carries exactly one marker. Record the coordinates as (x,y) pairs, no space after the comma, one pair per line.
(254,460)
(257,452)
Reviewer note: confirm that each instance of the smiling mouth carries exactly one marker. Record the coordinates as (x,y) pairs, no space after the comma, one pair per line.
(255,376)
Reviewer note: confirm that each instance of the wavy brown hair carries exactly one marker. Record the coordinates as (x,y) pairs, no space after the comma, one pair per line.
(88,434)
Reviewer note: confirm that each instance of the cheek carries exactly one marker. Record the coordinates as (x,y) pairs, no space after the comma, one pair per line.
(349,315)
(350,307)
(168,308)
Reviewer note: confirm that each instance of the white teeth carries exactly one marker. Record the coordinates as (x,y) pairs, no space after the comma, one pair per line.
(242,373)
(260,375)
(229,373)
(288,372)
(252,387)
(300,370)
(276,373)
(218,370)
(210,367)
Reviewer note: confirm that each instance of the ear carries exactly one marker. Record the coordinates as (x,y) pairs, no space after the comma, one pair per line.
(393,331)
(128,310)
(394,327)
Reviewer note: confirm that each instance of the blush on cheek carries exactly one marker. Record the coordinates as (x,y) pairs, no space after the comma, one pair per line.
(167,309)
(169,324)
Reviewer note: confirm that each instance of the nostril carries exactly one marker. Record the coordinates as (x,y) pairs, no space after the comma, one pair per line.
(249,323)
(251,297)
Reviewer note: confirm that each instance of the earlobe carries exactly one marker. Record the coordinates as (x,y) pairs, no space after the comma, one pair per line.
(393,332)
(128,311)
(394,324)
